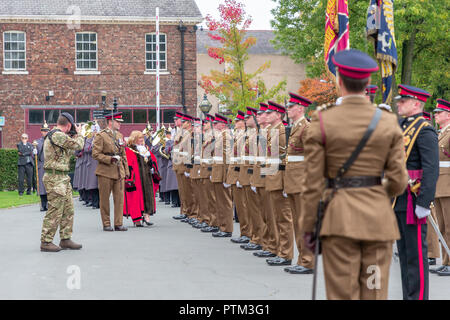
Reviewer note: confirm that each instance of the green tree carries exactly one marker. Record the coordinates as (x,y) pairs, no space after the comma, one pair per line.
(421,31)
(233,86)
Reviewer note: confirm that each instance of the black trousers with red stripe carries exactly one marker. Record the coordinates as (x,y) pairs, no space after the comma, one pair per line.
(413,254)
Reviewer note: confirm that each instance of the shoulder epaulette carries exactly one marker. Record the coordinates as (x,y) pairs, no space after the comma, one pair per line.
(326,106)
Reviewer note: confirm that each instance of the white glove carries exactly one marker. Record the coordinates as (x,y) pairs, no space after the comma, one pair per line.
(35,151)
(253,189)
(226,185)
(187,174)
(239,185)
(422,212)
(285,194)
(117,158)
(210,178)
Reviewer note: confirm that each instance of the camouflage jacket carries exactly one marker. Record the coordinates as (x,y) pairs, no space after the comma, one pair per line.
(57,155)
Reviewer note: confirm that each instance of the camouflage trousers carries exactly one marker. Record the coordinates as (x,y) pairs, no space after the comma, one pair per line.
(60,207)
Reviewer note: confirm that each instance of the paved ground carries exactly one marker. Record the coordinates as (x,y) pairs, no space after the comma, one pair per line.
(169,260)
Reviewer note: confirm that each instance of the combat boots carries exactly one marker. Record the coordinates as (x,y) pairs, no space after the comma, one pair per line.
(69,244)
(49,247)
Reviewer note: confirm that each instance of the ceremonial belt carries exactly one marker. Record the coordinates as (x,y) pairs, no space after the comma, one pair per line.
(197,158)
(295,158)
(235,159)
(248,158)
(273,161)
(410,136)
(183,153)
(217,158)
(53,171)
(260,159)
(207,161)
(354,182)
(444,164)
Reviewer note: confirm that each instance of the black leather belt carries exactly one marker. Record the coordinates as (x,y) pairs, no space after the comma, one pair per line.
(209,168)
(354,182)
(237,169)
(282,167)
(189,166)
(250,171)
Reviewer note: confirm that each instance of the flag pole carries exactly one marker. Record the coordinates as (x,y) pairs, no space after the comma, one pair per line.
(158,108)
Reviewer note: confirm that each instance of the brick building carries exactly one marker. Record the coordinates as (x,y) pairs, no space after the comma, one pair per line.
(57,57)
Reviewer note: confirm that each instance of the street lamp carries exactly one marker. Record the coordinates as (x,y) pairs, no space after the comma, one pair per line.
(205,106)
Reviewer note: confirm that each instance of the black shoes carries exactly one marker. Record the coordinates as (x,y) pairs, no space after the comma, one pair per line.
(432,261)
(210,229)
(179,217)
(277,261)
(298,270)
(241,239)
(221,234)
(264,254)
(251,246)
(120,228)
(444,271)
(108,228)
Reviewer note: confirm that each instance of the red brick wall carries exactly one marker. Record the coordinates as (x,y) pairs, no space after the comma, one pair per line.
(121,61)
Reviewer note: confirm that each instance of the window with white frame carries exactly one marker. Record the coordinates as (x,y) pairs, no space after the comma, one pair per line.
(86,51)
(14,50)
(150,52)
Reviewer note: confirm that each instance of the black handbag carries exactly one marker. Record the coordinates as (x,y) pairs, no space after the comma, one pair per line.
(130,185)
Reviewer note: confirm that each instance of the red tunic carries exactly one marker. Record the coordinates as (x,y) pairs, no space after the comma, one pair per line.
(133,200)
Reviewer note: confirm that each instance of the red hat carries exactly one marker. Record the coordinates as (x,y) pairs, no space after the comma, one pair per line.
(187,117)
(354,64)
(371,89)
(442,105)
(251,111)
(426,115)
(298,99)
(285,122)
(240,116)
(220,118)
(178,115)
(406,91)
(273,106)
(116,116)
(262,107)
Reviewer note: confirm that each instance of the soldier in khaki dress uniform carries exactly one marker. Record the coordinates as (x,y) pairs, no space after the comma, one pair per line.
(237,190)
(178,165)
(222,150)
(195,173)
(442,197)
(280,213)
(249,153)
(58,149)
(258,186)
(186,158)
(205,173)
(359,225)
(294,178)
(109,150)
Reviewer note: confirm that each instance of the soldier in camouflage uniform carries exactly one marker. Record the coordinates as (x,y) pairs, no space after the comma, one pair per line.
(58,148)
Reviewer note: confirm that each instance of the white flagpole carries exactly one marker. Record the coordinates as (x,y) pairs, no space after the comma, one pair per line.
(158,108)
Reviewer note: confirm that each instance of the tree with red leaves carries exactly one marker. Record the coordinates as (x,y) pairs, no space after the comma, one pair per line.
(234,87)
(318,90)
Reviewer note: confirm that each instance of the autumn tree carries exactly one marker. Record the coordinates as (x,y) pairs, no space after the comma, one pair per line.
(233,86)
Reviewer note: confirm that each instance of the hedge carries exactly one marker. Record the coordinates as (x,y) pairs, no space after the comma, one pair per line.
(8,169)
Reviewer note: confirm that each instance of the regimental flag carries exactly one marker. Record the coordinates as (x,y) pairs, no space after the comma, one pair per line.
(380,30)
(336,32)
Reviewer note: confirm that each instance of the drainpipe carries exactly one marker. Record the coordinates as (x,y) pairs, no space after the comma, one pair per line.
(182,30)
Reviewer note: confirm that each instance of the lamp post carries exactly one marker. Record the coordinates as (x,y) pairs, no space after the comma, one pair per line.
(205,106)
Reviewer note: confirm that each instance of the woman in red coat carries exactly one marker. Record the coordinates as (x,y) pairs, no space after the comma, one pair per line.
(148,176)
(133,195)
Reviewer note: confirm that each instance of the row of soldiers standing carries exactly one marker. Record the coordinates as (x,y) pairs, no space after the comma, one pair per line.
(354,157)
